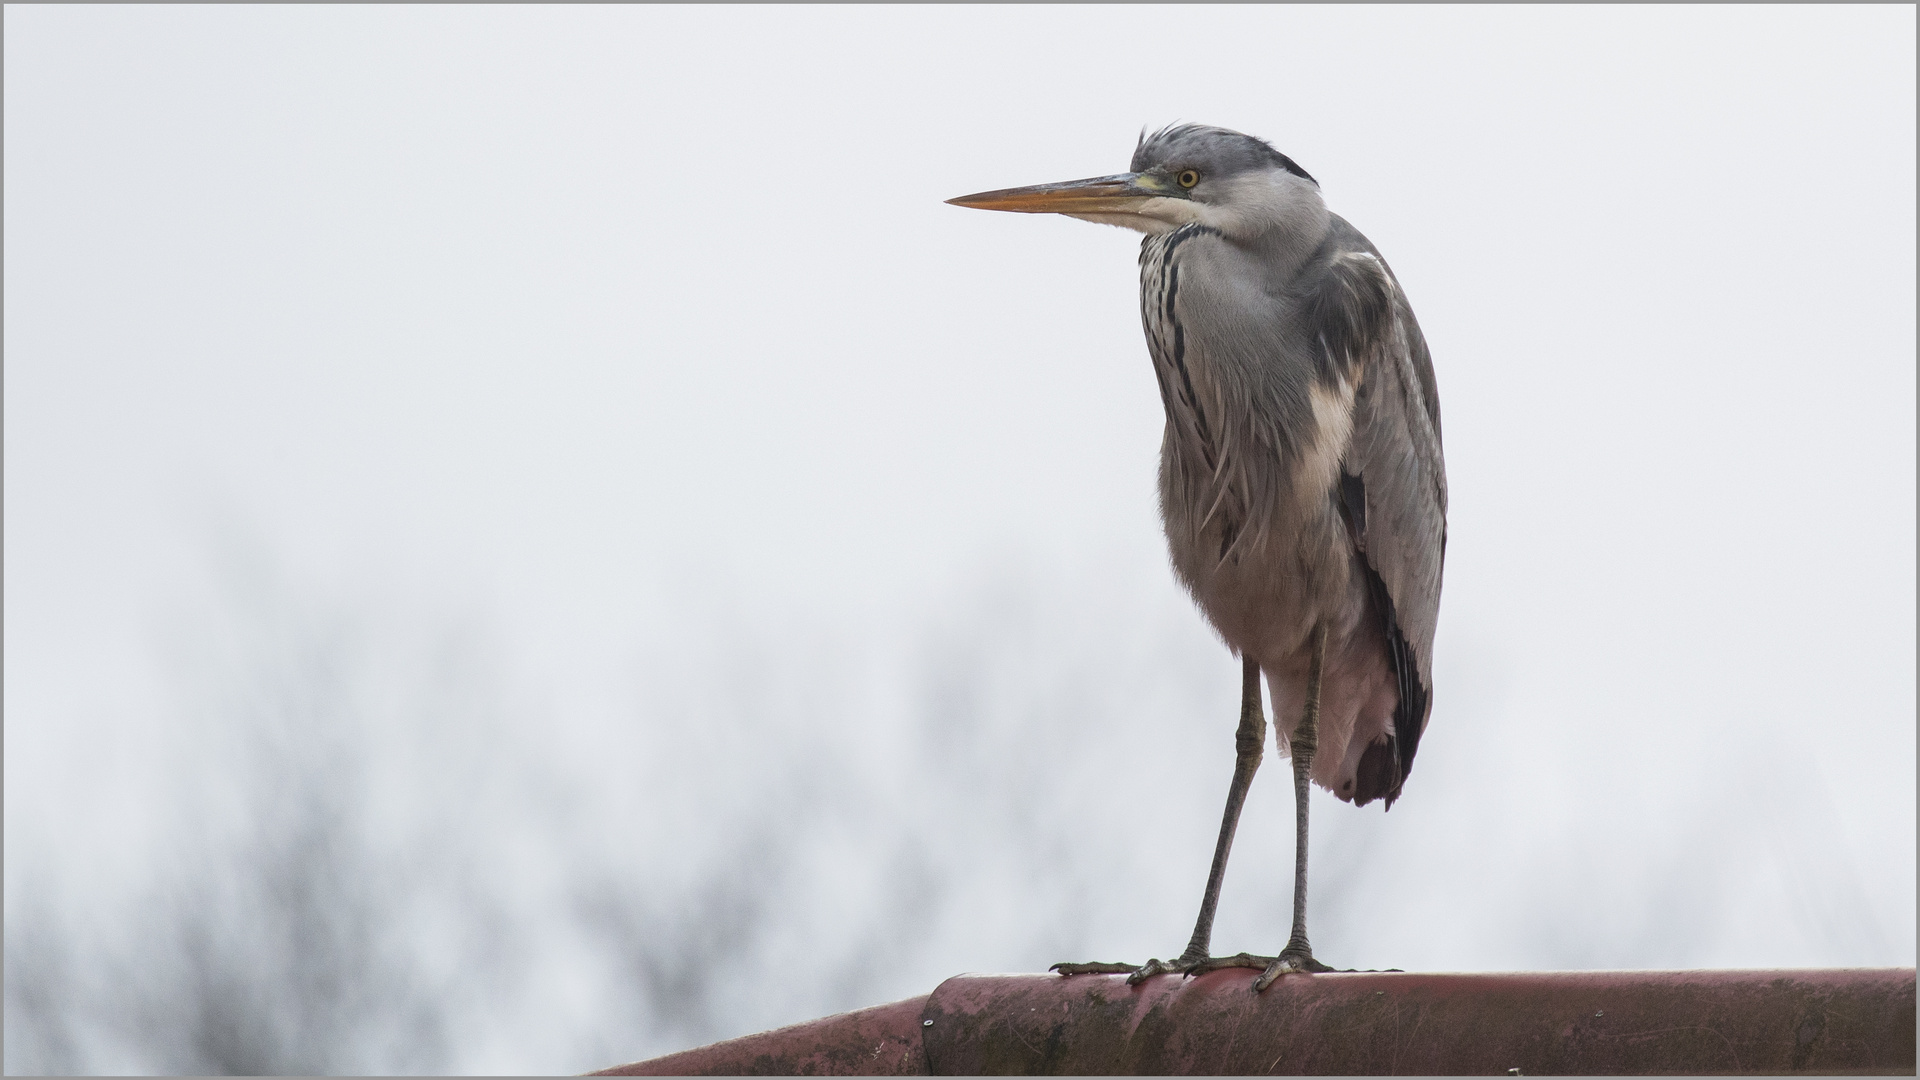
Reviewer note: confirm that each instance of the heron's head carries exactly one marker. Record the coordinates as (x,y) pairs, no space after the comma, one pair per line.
(1181,175)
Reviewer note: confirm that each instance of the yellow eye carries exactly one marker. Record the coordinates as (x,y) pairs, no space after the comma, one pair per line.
(1188,178)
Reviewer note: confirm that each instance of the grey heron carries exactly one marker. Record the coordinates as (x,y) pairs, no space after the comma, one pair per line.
(1302,485)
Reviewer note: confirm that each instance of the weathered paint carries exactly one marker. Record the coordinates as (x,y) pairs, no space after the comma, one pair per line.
(1611,1022)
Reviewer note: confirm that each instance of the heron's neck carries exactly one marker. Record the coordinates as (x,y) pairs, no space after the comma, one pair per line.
(1280,215)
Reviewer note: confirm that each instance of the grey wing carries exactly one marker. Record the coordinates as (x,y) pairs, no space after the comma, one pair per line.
(1394,479)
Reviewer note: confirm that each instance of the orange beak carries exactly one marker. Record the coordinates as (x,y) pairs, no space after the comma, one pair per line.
(1119,194)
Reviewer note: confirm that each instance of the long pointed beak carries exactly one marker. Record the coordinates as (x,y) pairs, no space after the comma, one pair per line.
(1120,193)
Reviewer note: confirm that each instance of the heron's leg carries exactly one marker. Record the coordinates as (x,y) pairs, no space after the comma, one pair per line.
(1248,741)
(1298,955)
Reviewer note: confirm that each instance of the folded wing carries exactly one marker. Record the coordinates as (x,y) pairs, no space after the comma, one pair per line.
(1394,483)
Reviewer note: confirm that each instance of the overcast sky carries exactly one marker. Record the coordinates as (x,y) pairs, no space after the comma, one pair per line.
(620,336)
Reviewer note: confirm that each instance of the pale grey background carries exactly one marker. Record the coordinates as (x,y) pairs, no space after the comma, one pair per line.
(534,539)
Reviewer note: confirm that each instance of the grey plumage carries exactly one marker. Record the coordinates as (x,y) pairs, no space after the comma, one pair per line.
(1302,482)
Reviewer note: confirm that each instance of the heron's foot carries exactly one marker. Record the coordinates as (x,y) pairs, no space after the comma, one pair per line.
(1095,968)
(1292,961)
(1237,960)
(1185,965)
(1135,975)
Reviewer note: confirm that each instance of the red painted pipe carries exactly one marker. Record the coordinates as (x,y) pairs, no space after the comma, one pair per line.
(1603,1022)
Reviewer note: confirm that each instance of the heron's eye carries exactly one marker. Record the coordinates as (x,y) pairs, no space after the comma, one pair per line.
(1188,178)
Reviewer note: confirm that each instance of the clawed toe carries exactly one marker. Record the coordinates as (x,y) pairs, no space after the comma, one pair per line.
(1095,968)
(1237,960)
(1157,967)
(1135,974)
(1289,963)
(1270,967)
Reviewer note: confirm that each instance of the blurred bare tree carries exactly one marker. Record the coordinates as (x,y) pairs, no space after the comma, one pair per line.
(271,939)
(370,856)
(342,879)
(41,1000)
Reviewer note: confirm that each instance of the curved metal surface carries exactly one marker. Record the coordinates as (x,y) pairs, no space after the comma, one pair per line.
(1615,1022)
(881,1041)
(1538,1023)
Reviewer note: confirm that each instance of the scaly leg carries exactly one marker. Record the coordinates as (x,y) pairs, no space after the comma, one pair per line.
(1248,741)
(1298,955)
